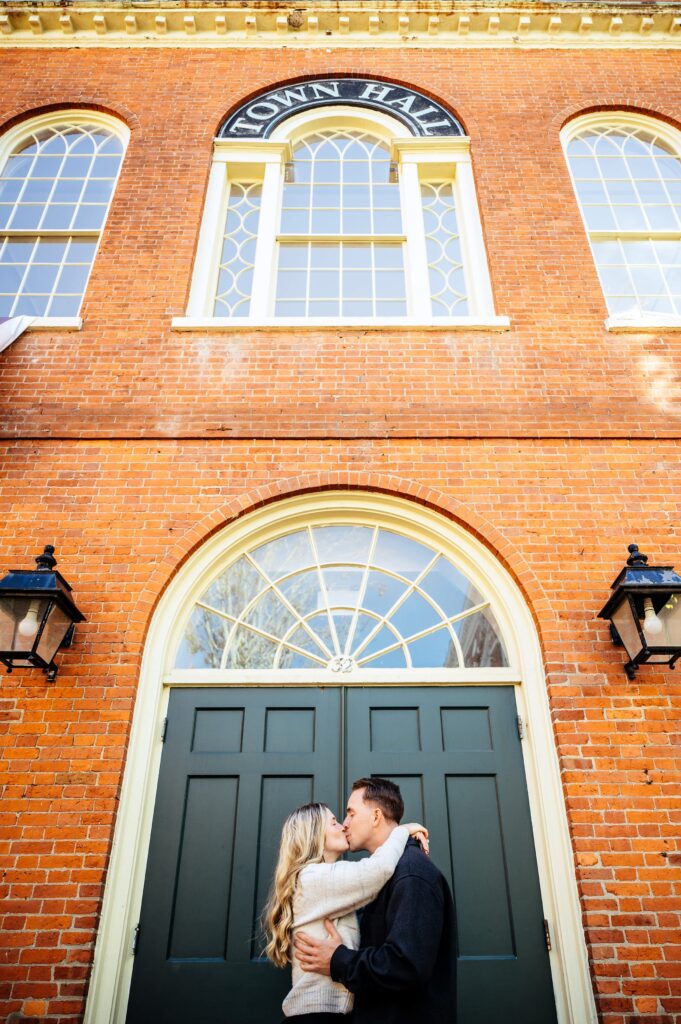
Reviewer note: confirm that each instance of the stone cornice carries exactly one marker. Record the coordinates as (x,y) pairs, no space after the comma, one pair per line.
(344,24)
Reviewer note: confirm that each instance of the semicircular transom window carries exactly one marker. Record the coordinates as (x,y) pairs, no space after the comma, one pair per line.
(342,597)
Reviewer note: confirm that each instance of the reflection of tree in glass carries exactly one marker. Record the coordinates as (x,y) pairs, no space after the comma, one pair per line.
(451,659)
(230,593)
(205,635)
(208,633)
(480,642)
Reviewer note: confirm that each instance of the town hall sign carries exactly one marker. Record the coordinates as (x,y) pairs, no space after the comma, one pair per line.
(259,117)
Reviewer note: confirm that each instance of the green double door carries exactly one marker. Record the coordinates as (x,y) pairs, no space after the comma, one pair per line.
(236,761)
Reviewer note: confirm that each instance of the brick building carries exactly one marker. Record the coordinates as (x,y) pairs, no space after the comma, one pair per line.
(350,370)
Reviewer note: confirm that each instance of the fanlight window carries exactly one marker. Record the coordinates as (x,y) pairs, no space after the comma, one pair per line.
(55,190)
(342,597)
(628,182)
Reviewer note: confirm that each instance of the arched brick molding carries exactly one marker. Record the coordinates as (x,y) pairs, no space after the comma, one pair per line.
(288,487)
(631,105)
(124,114)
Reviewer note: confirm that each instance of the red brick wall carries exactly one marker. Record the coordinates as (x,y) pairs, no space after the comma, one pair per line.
(556,372)
(127,440)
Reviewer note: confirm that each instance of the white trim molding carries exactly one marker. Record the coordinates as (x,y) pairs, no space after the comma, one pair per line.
(416,160)
(325,23)
(642,324)
(461,323)
(112,969)
(56,323)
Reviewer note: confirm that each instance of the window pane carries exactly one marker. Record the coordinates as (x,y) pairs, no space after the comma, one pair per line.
(89,217)
(18,251)
(445,266)
(41,279)
(31,305)
(26,218)
(352,273)
(351,191)
(36,191)
(639,275)
(64,305)
(10,284)
(235,279)
(36,272)
(57,218)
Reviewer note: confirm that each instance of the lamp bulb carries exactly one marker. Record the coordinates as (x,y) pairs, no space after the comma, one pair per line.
(28,626)
(651,624)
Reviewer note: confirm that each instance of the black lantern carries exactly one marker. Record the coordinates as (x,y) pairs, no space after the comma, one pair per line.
(645,612)
(37,615)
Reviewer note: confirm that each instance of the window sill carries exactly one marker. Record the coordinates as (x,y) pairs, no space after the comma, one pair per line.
(56,323)
(461,323)
(637,325)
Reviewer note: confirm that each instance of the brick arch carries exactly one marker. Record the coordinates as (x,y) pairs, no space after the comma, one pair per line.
(616,105)
(124,114)
(379,483)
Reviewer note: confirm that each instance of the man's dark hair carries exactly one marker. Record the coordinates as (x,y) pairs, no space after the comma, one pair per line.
(384,793)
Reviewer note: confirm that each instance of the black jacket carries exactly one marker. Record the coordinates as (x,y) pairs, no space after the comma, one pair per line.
(405,968)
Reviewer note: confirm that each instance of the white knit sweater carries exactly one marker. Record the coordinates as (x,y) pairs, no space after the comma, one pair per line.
(336,891)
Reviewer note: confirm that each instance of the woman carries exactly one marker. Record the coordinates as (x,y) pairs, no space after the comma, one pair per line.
(310,884)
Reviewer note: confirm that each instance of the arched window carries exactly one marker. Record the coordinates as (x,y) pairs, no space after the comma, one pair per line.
(57,177)
(626,171)
(341,215)
(342,596)
(341,229)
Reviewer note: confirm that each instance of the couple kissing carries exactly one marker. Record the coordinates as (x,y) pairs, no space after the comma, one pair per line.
(397,965)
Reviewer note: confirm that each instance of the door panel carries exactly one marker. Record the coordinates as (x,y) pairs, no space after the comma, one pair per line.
(235,762)
(456,755)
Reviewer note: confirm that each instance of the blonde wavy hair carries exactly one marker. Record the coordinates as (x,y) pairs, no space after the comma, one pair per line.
(302,843)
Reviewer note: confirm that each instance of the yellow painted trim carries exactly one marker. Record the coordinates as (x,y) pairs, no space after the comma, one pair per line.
(327,24)
(251,151)
(421,149)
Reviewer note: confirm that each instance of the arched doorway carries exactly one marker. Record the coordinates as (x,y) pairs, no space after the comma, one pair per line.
(318,639)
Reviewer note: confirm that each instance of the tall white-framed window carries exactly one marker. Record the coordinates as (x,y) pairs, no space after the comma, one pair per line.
(341,216)
(58,173)
(626,172)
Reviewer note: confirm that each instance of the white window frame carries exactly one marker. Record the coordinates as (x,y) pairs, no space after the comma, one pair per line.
(265,160)
(624,119)
(8,143)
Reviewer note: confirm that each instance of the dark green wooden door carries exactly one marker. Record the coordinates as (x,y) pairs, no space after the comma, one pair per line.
(236,761)
(455,753)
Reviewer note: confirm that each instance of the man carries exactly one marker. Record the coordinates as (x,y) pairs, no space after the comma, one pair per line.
(405,968)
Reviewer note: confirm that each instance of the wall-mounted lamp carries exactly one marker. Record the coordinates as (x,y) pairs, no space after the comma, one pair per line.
(645,612)
(37,615)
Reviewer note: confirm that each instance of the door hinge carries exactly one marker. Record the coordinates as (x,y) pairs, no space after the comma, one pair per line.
(521,727)
(547,935)
(135,939)
(164,730)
